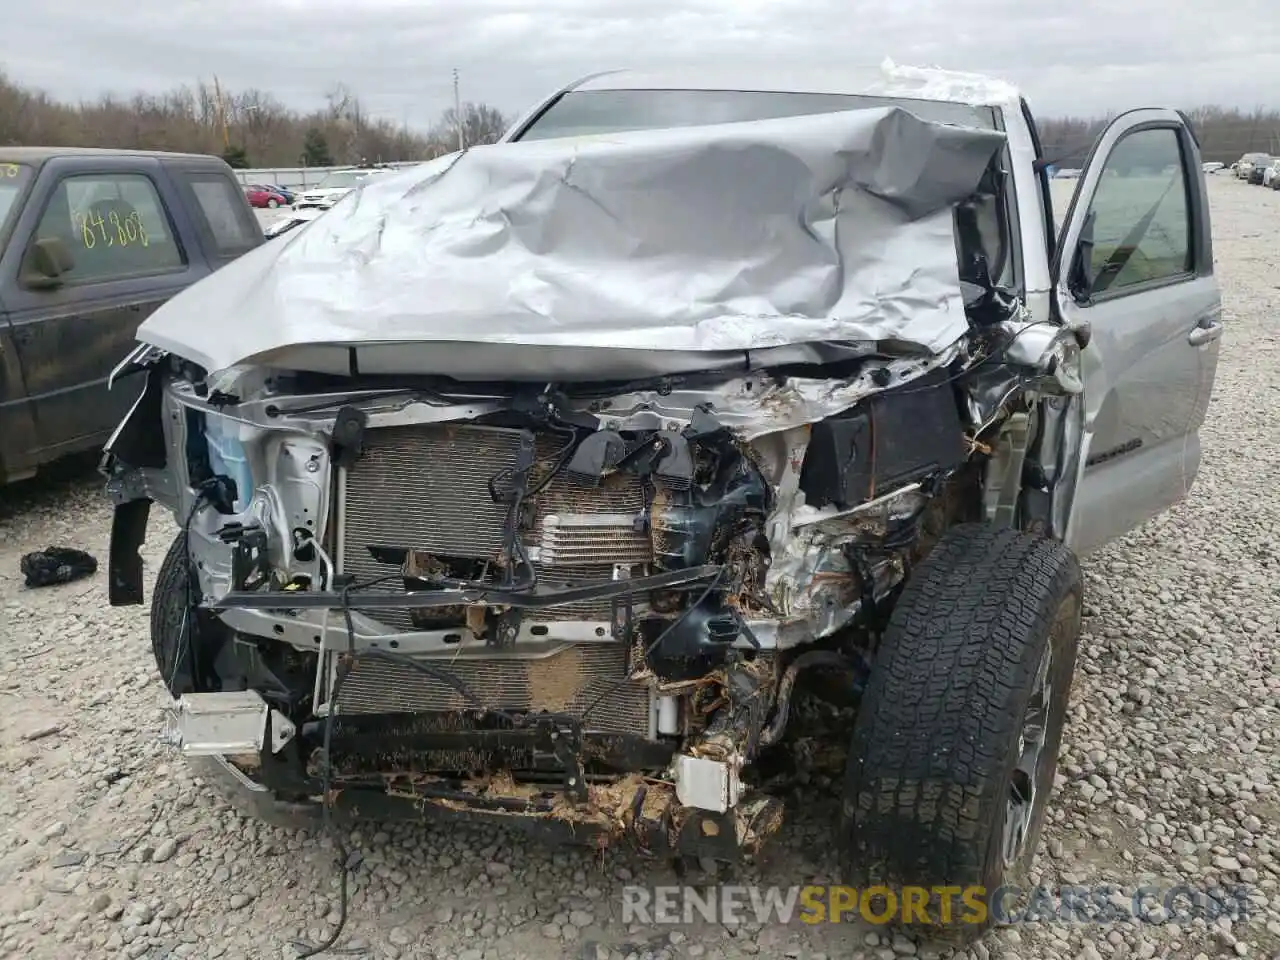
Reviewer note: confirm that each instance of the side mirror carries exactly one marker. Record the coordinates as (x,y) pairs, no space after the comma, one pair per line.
(48,260)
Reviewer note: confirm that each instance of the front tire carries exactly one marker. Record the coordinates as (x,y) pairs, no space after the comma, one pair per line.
(956,743)
(273,203)
(184,639)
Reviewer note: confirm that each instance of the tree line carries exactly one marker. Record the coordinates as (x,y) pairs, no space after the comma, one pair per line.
(250,128)
(1224,134)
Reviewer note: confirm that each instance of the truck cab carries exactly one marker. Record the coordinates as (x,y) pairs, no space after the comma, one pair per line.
(91,243)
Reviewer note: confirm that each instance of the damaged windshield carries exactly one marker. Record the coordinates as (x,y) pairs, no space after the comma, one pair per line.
(582,113)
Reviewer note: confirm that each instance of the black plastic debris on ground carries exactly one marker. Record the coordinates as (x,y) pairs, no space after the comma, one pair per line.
(44,568)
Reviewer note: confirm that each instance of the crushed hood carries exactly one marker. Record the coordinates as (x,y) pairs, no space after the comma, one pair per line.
(626,255)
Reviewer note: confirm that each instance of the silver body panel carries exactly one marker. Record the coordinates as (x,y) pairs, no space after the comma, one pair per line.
(638,253)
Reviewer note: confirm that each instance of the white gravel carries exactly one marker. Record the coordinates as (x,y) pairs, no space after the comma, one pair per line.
(109,848)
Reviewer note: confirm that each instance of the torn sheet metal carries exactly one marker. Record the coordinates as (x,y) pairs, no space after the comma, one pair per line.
(621,256)
(952,86)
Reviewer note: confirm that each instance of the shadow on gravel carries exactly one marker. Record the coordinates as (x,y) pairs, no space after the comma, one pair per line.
(72,478)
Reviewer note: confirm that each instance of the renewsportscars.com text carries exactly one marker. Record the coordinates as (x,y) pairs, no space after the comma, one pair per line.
(940,905)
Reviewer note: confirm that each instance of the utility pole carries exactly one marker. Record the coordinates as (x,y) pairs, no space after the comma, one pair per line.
(457,111)
(222,113)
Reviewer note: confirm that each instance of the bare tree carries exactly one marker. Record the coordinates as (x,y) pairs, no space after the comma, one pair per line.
(1224,134)
(188,119)
(479,122)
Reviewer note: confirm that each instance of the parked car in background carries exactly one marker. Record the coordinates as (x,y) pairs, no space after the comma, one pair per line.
(261,195)
(332,188)
(1245,165)
(288,193)
(91,243)
(1259,168)
(1214,166)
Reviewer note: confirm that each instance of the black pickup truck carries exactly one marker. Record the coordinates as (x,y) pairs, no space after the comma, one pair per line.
(92,241)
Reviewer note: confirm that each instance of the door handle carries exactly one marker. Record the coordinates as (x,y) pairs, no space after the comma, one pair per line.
(1206,331)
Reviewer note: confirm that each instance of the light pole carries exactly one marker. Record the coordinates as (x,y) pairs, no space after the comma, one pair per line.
(457,111)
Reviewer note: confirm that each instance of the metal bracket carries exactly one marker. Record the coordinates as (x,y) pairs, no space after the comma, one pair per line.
(507,630)
(282,731)
(224,724)
(1003,487)
(566,744)
(706,784)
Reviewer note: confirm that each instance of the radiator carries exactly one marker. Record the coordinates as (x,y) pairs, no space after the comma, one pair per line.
(569,680)
(426,488)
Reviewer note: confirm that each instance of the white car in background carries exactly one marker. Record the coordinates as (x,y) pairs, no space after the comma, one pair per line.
(331,189)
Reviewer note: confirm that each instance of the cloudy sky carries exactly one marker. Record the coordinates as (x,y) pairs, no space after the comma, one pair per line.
(1080,57)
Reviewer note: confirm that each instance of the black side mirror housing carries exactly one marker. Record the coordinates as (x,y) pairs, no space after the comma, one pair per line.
(1079,282)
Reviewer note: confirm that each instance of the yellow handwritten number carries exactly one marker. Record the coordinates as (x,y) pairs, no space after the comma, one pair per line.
(94,230)
(121,234)
(142,232)
(86,233)
(102,229)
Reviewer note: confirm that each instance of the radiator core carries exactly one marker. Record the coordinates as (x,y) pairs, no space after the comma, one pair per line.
(569,681)
(427,488)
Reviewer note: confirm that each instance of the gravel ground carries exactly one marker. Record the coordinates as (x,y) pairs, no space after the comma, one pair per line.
(109,847)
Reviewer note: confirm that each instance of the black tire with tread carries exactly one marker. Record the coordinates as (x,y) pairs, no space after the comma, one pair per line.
(937,734)
(169,612)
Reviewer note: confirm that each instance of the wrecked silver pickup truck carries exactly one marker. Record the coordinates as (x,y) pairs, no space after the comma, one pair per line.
(525,484)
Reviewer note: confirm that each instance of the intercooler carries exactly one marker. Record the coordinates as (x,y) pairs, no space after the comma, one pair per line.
(427,489)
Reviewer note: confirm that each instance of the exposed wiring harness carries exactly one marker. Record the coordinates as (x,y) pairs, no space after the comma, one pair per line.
(217,490)
(349,860)
(657,641)
(521,575)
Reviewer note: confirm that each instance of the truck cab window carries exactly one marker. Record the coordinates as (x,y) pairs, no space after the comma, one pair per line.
(222,204)
(113,225)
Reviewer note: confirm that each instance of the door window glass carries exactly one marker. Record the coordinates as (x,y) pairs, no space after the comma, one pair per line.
(113,225)
(1139,220)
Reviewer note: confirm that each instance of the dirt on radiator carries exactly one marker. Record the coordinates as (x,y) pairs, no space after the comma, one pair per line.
(555,681)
